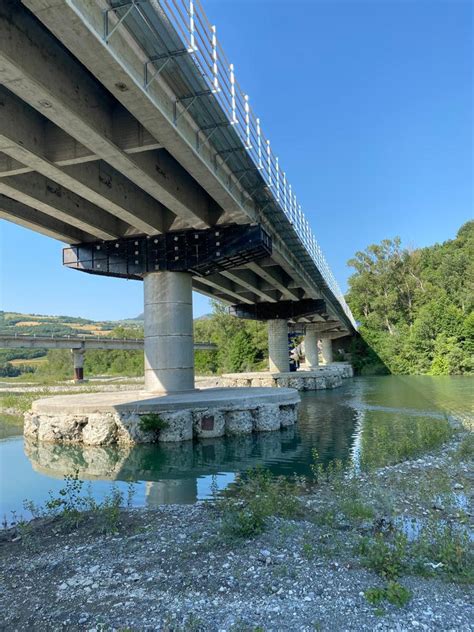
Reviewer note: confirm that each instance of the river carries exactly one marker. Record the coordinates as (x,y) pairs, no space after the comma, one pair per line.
(368,422)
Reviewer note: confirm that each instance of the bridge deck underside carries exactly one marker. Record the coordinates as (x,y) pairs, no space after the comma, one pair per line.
(87,153)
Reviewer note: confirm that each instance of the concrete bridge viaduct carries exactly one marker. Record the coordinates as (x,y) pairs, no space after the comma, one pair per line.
(78,346)
(125,134)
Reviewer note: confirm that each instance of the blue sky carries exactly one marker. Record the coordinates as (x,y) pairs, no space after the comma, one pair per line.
(369,106)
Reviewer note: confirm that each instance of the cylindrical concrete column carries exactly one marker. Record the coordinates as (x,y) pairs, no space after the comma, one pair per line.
(311,349)
(278,353)
(169,347)
(326,350)
(78,361)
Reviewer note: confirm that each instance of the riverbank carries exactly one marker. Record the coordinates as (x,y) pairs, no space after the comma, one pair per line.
(270,556)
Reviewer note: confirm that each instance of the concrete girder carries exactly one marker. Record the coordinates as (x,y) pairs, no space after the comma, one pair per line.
(278,279)
(250,281)
(227,287)
(212,293)
(23,138)
(52,199)
(25,216)
(57,86)
(64,150)
(118,64)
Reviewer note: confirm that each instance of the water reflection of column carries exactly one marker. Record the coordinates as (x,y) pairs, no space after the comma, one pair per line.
(173,491)
(356,448)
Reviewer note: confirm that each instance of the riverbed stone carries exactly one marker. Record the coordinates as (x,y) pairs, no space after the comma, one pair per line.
(101,429)
(31,425)
(67,428)
(179,426)
(208,423)
(129,429)
(238,422)
(267,418)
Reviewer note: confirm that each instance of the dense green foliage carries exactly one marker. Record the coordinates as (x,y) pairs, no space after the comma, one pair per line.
(242,345)
(415,307)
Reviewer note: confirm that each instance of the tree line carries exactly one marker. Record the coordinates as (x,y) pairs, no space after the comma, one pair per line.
(415,307)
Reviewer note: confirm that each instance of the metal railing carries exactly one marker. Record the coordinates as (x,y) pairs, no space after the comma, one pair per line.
(200,42)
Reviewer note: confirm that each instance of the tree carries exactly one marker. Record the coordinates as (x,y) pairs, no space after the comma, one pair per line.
(415,306)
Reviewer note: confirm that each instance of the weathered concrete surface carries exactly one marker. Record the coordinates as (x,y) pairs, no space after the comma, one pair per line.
(169,354)
(319,378)
(278,345)
(109,418)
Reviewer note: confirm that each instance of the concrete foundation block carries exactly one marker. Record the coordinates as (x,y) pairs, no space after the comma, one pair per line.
(288,415)
(208,423)
(101,429)
(267,418)
(238,422)
(179,426)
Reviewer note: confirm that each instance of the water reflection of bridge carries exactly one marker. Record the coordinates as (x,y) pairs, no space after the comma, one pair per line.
(171,470)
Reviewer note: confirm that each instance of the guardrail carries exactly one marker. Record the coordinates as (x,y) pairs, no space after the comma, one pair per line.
(199,37)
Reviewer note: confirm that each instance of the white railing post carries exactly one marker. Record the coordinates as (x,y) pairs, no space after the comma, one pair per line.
(259,146)
(192,30)
(269,164)
(277,178)
(215,70)
(248,144)
(232,94)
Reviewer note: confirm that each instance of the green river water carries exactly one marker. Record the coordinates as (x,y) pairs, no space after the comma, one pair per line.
(369,421)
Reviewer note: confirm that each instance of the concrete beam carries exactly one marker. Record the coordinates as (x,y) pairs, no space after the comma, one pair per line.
(52,199)
(23,138)
(27,217)
(58,87)
(250,281)
(227,287)
(212,293)
(278,278)
(118,64)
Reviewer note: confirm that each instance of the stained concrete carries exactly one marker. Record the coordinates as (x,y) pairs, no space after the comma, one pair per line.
(108,418)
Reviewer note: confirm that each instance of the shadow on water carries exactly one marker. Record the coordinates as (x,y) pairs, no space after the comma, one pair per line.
(368,422)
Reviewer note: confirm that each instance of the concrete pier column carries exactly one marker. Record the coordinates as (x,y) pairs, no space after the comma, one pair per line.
(78,361)
(311,349)
(326,350)
(279,357)
(169,350)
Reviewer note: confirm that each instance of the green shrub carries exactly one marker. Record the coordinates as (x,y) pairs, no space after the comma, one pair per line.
(393,592)
(151,422)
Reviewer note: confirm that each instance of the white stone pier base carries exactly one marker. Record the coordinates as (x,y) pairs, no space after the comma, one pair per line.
(169,352)
(278,353)
(326,350)
(108,418)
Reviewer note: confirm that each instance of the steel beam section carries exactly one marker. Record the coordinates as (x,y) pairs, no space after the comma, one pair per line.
(284,310)
(58,86)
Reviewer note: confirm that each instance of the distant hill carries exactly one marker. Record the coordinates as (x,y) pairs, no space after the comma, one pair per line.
(42,325)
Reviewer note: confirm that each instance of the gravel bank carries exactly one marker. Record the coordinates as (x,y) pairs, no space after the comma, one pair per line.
(172,569)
